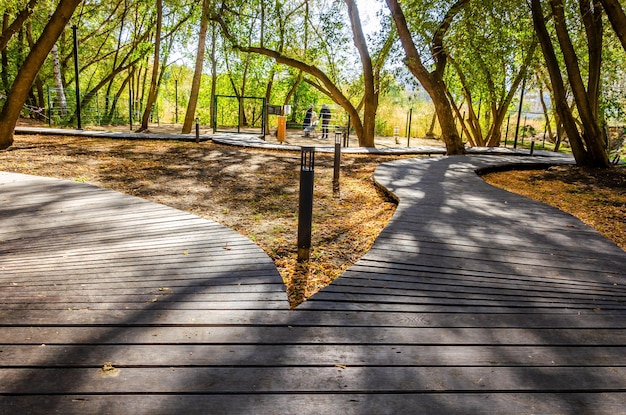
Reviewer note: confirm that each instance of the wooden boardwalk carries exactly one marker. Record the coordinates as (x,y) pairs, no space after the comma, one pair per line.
(472,300)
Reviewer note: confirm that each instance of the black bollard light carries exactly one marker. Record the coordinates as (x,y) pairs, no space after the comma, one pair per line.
(305,214)
(337,166)
(197,130)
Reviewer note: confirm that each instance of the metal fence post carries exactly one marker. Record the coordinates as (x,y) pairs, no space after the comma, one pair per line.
(305,214)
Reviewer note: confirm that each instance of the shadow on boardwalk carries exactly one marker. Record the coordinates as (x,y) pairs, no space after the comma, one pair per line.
(472,300)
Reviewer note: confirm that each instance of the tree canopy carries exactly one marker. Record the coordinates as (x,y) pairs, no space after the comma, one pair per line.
(467,58)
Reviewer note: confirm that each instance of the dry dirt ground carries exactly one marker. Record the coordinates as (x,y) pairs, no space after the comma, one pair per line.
(256,193)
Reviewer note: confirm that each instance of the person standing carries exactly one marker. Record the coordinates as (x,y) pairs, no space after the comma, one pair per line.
(306,125)
(325,116)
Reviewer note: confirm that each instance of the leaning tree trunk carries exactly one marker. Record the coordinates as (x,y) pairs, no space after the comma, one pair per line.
(617,17)
(370,96)
(213,72)
(58,80)
(4,57)
(449,132)
(433,82)
(588,149)
(154,83)
(26,75)
(197,74)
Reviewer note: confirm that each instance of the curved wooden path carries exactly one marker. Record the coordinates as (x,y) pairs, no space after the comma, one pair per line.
(472,300)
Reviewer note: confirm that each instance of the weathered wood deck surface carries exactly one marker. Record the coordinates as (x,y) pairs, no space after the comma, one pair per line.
(472,300)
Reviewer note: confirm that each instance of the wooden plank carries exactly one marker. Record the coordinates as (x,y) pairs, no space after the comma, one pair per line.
(400,290)
(386,276)
(327,379)
(453,286)
(383,270)
(315,314)
(485,239)
(301,355)
(310,335)
(551,270)
(523,403)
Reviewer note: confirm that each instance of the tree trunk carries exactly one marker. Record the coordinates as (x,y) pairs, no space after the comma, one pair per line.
(109,115)
(58,80)
(432,82)
(213,72)
(595,153)
(617,17)
(26,75)
(197,74)
(449,132)
(40,101)
(370,96)
(268,97)
(586,99)
(10,29)
(154,84)
(546,115)
(4,57)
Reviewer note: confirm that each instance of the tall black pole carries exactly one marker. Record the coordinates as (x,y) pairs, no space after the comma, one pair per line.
(346,136)
(519,112)
(130,103)
(78,111)
(176,98)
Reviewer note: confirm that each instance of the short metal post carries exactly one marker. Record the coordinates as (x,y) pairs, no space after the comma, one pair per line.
(532,147)
(197,130)
(176,100)
(130,105)
(305,214)
(346,137)
(337,166)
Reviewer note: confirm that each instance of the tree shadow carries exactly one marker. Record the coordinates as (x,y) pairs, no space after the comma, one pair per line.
(471,300)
